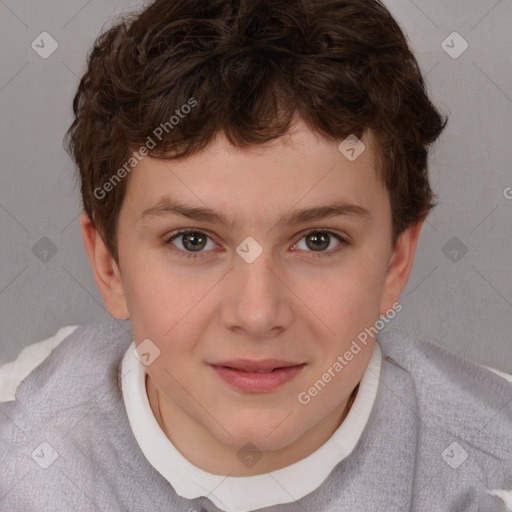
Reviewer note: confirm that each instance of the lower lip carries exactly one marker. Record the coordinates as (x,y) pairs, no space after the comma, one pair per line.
(258,382)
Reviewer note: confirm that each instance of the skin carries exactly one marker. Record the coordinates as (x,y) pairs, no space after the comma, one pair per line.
(292,303)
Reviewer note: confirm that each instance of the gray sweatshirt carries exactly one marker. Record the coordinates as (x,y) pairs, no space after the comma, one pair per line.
(439,437)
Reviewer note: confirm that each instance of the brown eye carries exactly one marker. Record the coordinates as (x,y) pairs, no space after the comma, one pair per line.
(192,241)
(322,242)
(318,241)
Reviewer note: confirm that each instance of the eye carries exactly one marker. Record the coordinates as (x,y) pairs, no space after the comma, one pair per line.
(190,242)
(318,240)
(193,243)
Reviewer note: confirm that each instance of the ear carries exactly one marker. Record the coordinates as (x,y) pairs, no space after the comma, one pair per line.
(106,271)
(400,267)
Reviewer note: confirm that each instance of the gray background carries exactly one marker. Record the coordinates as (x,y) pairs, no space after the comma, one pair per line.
(461,300)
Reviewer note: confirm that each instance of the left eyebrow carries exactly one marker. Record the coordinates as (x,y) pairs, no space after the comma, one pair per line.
(166,207)
(321,212)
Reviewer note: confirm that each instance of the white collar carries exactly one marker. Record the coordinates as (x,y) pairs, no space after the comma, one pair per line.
(242,494)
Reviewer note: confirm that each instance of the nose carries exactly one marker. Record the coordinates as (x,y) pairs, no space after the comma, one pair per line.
(258,301)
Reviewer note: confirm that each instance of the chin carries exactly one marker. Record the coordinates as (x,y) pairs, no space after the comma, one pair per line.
(262,436)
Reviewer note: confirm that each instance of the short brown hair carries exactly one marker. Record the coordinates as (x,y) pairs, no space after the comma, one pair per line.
(251,66)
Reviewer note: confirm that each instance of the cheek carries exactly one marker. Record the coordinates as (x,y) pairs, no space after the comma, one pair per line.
(149,299)
(352,291)
(167,307)
(347,303)
(157,297)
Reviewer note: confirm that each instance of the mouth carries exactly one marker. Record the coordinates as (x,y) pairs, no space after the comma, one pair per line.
(263,366)
(257,379)
(250,371)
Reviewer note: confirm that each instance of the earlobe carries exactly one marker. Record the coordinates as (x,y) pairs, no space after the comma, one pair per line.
(400,267)
(106,271)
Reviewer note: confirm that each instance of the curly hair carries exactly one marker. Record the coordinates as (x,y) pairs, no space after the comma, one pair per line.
(248,67)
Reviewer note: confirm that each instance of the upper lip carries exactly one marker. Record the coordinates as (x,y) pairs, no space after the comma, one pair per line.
(251,365)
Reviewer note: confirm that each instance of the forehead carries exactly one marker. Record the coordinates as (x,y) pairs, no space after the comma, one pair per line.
(298,170)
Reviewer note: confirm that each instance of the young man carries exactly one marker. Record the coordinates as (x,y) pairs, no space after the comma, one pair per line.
(254,182)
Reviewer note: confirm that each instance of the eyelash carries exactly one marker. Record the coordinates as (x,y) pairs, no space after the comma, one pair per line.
(322,254)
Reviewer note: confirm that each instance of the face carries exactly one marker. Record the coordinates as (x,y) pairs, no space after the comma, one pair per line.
(286,256)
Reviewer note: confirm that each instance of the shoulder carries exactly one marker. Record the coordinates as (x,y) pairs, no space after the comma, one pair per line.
(71,350)
(464,414)
(66,370)
(12,373)
(457,397)
(61,410)
(79,367)
(431,364)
